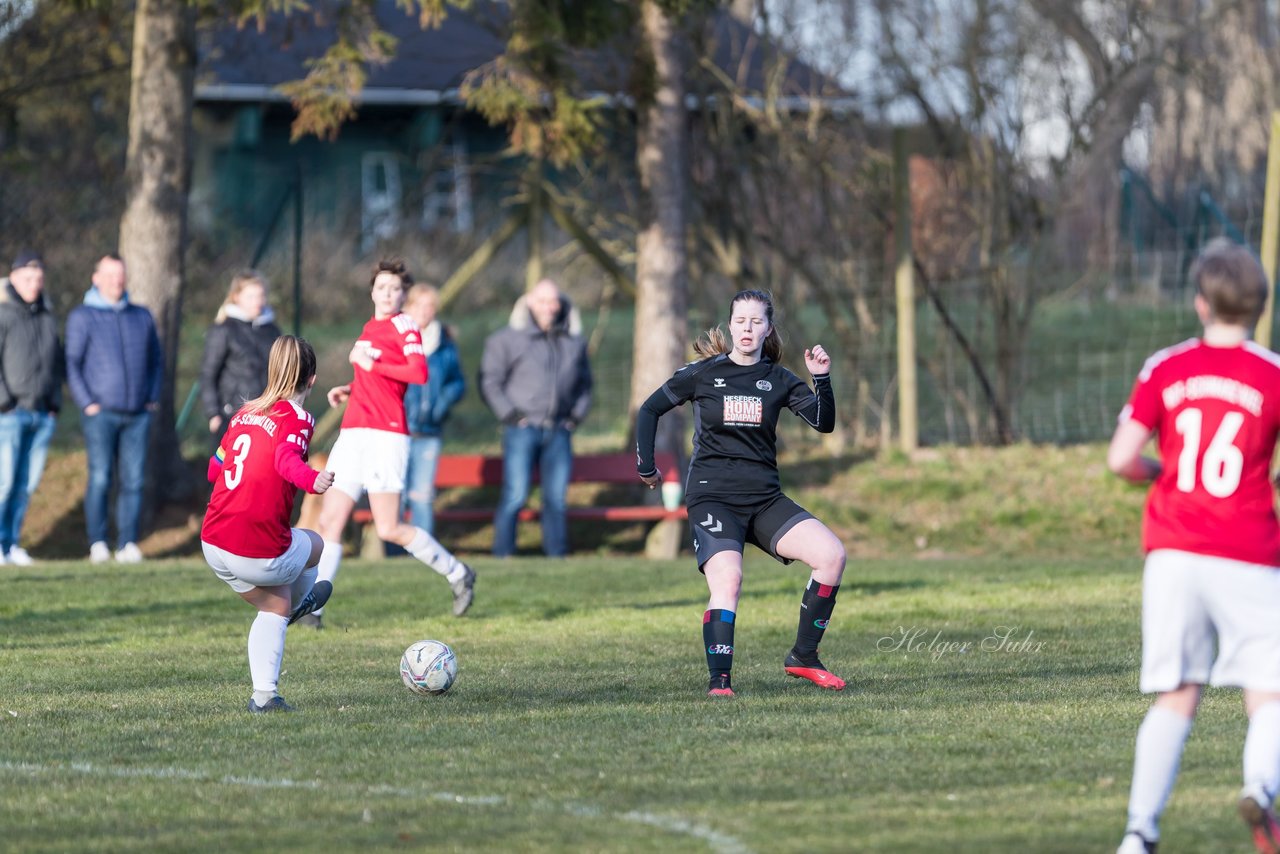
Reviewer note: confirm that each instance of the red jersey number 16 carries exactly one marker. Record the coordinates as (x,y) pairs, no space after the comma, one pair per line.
(1223,461)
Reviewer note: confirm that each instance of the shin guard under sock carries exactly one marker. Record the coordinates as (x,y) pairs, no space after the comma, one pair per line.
(717,639)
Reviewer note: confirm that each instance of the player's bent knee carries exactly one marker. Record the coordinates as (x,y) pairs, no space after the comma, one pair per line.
(393,532)
(317,546)
(329,526)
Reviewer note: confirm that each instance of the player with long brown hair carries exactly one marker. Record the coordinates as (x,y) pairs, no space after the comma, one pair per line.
(734,494)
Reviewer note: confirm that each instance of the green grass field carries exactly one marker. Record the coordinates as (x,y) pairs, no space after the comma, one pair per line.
(579,722)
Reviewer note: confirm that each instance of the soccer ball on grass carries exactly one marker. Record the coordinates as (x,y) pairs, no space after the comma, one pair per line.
(428,667)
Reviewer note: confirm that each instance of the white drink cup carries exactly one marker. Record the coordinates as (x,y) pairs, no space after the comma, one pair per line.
(672,493)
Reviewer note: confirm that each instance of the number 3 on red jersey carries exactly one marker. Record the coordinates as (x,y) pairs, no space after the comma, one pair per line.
(233,470)
(1223,462)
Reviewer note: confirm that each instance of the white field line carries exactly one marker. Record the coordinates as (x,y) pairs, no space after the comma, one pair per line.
(719,842)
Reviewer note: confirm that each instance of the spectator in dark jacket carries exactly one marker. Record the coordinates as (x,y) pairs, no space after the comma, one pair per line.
(31,372)
(535,377)
(236,347)
(115,368)
(427,405)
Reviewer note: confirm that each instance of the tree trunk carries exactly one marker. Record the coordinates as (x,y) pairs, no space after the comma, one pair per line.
(153,230)
(661,324)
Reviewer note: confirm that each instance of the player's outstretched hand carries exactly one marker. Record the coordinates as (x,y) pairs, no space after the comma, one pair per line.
(653,480)
(817,360)
(338,395)
(324,480)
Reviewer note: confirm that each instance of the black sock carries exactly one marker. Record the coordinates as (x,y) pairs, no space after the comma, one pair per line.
(815,612)
(717,639)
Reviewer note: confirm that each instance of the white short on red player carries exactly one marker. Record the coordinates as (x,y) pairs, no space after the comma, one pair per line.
(1192,604)
(242,574)
(368,460)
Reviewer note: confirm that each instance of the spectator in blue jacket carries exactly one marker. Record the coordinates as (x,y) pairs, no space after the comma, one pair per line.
(427,406)
(114,367)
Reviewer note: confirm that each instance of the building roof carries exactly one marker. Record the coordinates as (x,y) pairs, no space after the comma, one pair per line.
(247,64)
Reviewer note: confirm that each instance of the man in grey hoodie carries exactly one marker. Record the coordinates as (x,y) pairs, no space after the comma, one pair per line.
(535,377)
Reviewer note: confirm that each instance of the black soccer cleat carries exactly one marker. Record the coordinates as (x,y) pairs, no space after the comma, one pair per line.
(275,704)
(719,686)
(1136,843)
(464,590)
(313,601)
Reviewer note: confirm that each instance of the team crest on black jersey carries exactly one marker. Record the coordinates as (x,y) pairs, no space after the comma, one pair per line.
(764,385)
(743,410)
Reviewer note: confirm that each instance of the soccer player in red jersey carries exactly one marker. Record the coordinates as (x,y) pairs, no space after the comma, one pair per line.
(257,471)
(734,494)
(1212,575)
(372,451)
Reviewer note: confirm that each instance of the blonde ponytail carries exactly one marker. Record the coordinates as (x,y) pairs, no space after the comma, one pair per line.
(290,367)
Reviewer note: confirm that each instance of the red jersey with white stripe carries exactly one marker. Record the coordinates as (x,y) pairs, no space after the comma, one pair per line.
(377,396)
(252,502)
(1216,413)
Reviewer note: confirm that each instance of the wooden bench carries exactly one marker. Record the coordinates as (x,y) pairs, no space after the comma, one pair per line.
(475,470)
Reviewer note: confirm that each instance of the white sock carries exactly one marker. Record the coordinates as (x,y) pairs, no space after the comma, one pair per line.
(1156,757)
(427,549)
(266,649)
(1262,753)
(330,558)
(327,568)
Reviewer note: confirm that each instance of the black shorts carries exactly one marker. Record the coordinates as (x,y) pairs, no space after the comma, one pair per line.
(720,525)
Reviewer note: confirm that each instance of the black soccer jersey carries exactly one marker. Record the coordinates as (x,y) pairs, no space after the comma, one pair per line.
(736,409)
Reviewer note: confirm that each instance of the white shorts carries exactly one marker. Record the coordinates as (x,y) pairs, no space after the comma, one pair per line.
(1189,601)
(365,460)
(243,574)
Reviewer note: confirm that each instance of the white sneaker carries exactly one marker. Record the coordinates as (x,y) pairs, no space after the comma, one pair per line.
(19,557)
(99,553)
(129,553)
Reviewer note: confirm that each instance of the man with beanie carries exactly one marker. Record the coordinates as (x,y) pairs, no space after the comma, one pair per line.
(31,372)
(114,367)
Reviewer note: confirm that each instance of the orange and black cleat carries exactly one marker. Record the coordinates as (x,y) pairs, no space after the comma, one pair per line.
(813,670)
(1266,833)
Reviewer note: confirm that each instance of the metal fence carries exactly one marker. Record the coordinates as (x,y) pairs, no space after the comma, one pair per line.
(1072,365)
